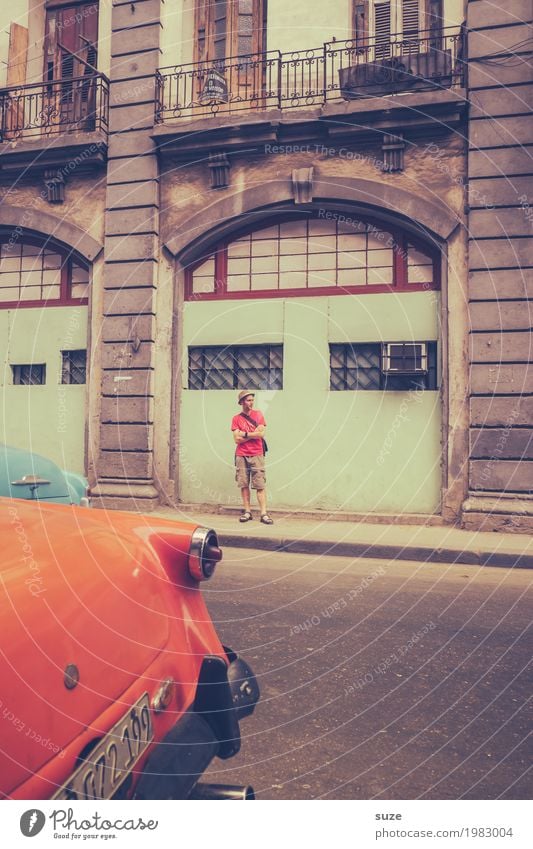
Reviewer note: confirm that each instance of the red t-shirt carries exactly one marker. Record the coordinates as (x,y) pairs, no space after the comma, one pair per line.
(251,447)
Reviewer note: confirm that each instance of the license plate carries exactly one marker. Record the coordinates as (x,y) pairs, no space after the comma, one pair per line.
(111,761)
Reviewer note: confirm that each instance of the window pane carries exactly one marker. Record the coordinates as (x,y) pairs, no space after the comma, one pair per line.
(379,276)
(238,282)
(321,227)
(78,290)
(202,285)
(79,274)
(269,264)
(292,280)
(321,262)
(265,281)
(293,228)
(356,259)
(239,249)
(31,250)
(293,246)
(10,263)
(420,274)
(352,242)
(355,277)
(32,278)
(293,263)
(380,258)
(238,266)
(9,294)
(52,293)
(265,247)
(322,244)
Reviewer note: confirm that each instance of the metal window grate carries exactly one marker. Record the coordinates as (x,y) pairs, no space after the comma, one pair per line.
(355,366)
(236,367)
(364,366)
(74,367)
(29,374)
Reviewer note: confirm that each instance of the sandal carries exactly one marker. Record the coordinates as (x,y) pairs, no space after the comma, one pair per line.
(266,520)
(246,516)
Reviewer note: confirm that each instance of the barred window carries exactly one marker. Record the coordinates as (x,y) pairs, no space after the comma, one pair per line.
(36,274)
(29,374)
(74,367)
(236,367)
(393,366)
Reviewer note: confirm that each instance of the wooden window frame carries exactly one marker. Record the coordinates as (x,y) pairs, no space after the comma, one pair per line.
(400,270)
(67,260)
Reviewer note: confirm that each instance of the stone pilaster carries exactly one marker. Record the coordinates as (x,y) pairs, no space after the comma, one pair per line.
(125,461)
(500,273)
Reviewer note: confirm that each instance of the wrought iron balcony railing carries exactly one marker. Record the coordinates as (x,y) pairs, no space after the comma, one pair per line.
(337,70)
(78,104)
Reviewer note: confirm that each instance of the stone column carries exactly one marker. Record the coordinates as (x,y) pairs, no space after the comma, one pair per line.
(500,274)
(125,459)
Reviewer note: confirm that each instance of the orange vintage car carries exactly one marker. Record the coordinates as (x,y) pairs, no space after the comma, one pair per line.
(114,683)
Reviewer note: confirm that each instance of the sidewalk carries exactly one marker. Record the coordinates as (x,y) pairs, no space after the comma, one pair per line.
(422,543)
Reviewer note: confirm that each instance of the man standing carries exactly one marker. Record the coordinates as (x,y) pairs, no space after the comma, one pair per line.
(248,429)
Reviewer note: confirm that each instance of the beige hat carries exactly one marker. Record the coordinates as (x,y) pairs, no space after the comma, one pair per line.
(244,393)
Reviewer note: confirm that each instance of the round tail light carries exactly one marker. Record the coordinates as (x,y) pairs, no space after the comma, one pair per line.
(204,554)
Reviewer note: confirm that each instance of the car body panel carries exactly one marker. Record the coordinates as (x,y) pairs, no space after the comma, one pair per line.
(109,593)
(58,486)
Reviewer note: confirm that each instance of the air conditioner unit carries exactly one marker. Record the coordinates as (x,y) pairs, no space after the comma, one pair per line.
(405,358)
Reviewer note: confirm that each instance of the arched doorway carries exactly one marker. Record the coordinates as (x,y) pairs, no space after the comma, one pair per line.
(44,291)
(333,319)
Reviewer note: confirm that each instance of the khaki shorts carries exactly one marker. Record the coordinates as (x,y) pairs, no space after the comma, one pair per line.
(250,467)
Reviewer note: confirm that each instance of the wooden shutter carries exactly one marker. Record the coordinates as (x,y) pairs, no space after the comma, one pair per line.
(360,23)
(226,28)
(382,27)
(410,18)
(74,28)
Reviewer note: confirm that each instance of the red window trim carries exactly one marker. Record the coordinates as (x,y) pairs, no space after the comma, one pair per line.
(401,240)
(67,258)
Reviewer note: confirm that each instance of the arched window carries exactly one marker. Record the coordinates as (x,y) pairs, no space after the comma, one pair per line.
(329,253)
(33,273)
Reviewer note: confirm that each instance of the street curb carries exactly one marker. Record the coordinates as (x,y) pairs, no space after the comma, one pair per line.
(379,551)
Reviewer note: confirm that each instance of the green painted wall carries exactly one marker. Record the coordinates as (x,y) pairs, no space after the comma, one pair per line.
(48,419)
(361,451)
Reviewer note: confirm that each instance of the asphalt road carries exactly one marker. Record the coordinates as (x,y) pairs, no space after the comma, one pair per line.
(379,679)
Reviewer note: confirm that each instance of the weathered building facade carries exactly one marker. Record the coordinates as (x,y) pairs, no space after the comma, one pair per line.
(275,197)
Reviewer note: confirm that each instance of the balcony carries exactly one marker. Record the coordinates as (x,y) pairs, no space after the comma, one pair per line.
(44,124)
(337,72)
